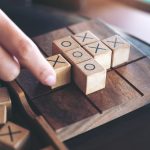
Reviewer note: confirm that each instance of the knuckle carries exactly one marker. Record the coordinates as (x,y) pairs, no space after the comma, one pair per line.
(25,48)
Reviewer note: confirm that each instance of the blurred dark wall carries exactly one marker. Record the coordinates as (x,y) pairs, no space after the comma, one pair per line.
(65,4)
(37,19)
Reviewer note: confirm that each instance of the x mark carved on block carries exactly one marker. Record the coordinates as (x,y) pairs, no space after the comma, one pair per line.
(84,37)
(10,133)
(115,42)
(97,48)
(56,61)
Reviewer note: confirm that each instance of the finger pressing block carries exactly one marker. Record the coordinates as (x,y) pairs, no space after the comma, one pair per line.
(13,137)
(63,45)
(120,49)
(62,68)
(100,52)
(90,76)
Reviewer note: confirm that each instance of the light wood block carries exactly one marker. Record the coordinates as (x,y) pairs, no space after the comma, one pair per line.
(3,115)
(90,76)
(13,137)
(62,68)
(5,99)
(120,49)
(77,55)
(100,52)
(63,45)
(85,37)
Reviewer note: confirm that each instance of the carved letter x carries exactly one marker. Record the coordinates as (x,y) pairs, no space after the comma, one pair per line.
(97,48)
(115,42)
(10,133)
(84,37)
(56,61)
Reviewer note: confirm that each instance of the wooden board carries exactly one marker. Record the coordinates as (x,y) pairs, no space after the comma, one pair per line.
(137,74)
(67,109)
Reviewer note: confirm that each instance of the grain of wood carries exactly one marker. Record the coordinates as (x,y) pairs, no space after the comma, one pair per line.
(138,74)
(64,106)
(116,92)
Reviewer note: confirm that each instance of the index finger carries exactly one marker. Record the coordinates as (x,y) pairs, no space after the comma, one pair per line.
(27,53)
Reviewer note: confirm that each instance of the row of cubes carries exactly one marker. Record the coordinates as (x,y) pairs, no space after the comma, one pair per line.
(89,57)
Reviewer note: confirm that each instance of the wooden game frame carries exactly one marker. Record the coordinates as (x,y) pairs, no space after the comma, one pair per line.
(108,110)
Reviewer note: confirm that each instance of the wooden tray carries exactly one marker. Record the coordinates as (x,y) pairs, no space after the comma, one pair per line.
(67,110)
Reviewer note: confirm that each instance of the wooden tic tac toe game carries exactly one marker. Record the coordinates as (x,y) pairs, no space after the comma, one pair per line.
(12,136)
(100,76)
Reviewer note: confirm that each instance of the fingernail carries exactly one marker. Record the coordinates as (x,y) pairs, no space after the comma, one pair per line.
(50,80)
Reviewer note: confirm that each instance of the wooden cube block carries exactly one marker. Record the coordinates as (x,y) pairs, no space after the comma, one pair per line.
(120,49)
(100,52)
(62,69)
(13,137)
(89,76)
(5,98)
(63,45)
(77,55)
(86,37)
(3,115)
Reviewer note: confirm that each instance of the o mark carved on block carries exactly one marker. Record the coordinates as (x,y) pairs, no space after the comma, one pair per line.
(77,54)
(89,67)
(66,43)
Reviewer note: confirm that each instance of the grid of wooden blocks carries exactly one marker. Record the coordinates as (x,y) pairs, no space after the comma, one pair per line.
(89,57)
(12,136)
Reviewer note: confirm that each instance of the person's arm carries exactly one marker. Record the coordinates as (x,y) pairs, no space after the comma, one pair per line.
(17,49)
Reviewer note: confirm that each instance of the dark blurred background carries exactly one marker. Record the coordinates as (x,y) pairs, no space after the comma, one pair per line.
(129,16)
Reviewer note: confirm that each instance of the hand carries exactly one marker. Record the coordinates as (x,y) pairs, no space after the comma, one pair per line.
(17,49)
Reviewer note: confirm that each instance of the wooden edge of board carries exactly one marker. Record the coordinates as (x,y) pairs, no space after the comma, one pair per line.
(22,99)
(50,133)
(37,120)
(100,119)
